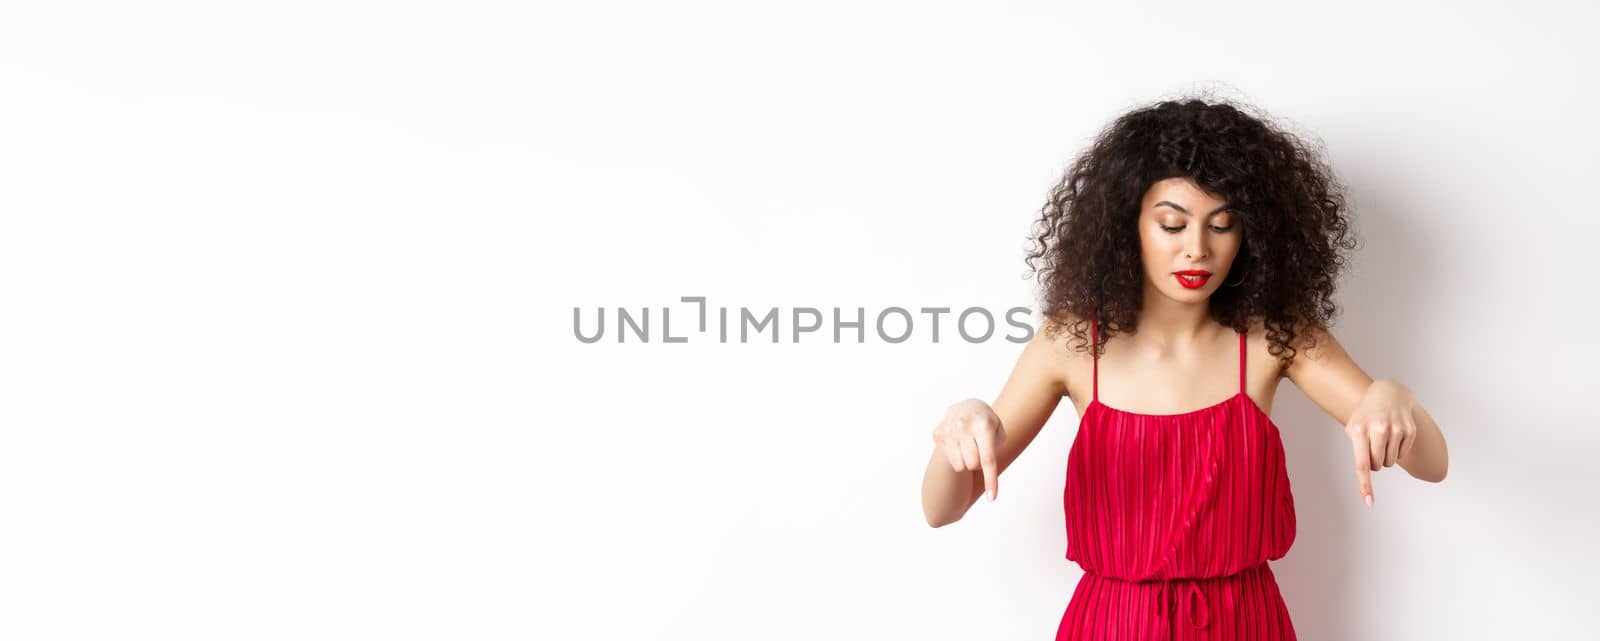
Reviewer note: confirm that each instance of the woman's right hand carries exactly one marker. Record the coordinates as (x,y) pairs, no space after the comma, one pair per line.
(969,436)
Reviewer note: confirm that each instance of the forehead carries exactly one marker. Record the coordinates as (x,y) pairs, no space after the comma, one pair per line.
(1183,192)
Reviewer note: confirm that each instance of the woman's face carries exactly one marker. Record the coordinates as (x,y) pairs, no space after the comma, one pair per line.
(1182,228)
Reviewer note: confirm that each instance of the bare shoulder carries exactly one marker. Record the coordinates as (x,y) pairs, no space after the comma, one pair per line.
(1316,348)
(1260,356)
(1307,335)
(1068,363)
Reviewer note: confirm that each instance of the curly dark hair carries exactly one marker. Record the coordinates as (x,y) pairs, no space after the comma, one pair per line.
(1296,228)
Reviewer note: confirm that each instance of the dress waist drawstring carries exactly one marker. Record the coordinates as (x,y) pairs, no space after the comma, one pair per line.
(1186,594)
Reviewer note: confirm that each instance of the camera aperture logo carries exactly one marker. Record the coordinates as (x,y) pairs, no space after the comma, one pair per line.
(800,324)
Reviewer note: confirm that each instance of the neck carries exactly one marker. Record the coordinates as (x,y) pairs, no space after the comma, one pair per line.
(1168,323)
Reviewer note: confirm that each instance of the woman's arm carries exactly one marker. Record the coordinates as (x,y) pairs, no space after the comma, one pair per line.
(1030,395)
(1429,459)
(1331,379)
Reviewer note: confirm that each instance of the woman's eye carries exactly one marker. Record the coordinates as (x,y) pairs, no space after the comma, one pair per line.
(1174,230)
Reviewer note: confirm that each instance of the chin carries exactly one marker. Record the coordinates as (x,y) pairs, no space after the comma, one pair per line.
(1190,295)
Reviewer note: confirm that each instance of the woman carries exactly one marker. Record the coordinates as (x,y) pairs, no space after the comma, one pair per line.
(1189,255)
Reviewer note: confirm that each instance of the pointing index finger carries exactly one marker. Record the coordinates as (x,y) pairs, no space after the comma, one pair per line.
(991,468)
(1363,459)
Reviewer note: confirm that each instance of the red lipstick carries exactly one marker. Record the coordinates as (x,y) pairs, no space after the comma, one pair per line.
(1196,278)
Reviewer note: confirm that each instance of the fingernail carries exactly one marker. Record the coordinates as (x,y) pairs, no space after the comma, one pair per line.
(1369,500)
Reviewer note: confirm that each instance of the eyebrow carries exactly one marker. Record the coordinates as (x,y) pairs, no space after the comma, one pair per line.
(1213,212)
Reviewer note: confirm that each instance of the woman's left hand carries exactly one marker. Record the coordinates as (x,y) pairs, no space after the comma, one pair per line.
(1381,430)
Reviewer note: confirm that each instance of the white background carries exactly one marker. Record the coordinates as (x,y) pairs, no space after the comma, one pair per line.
(286,343)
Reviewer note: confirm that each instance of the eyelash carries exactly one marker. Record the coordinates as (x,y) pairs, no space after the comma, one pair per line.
(1174,230)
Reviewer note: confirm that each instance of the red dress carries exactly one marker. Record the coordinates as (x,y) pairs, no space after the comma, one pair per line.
(1173,518)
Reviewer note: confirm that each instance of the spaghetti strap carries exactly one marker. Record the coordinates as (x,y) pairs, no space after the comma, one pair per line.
(1241,362)
(1094,329)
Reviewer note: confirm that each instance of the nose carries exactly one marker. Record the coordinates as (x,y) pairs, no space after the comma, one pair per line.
(1194,245)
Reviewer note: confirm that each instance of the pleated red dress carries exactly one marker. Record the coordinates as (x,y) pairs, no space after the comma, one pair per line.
(1173,518)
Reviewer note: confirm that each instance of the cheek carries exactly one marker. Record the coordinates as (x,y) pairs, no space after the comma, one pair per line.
(1161,243)
(1150,246)
(1159,252)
